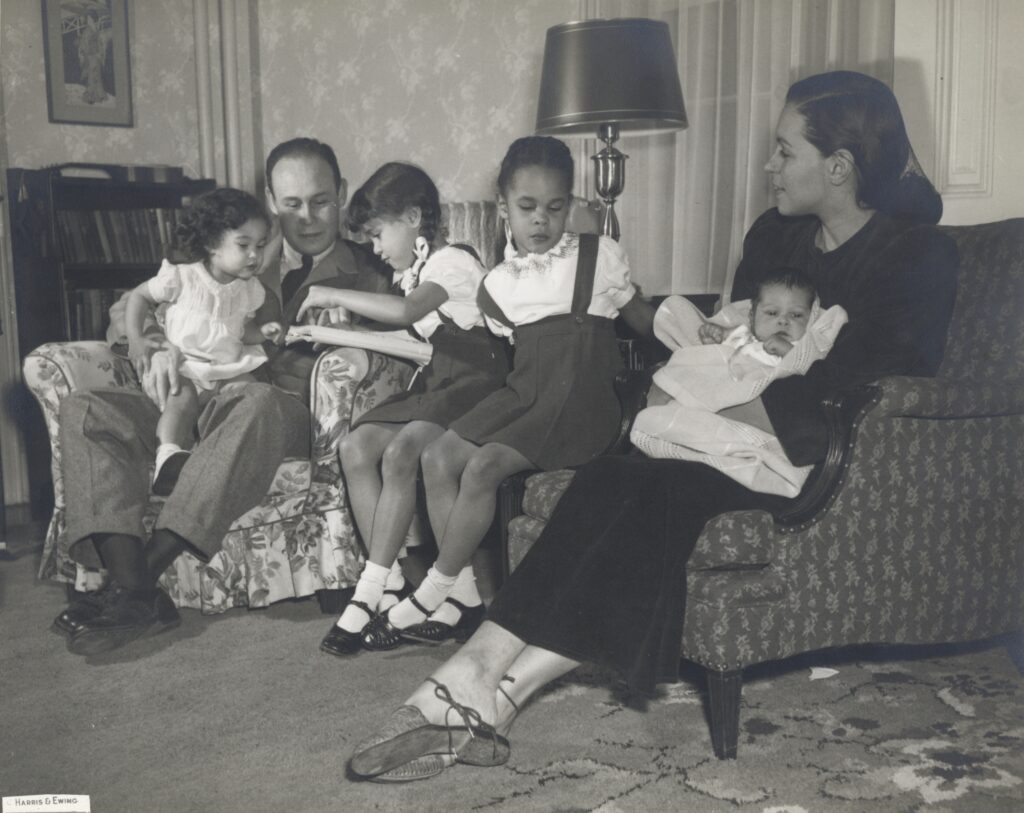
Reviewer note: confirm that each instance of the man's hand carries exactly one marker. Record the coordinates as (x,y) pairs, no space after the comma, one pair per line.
(163,378)
(273,331)
(777,345)
(710,333)
(140,351)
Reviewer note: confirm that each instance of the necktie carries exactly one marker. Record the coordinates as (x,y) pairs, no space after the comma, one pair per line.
(293,279)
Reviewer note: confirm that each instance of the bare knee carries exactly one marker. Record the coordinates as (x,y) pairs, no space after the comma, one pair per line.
(484,472)
(358,451)
(442,459)
(401,458)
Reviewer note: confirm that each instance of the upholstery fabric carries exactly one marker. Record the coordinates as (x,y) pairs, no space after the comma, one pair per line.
(922,541)
(300,539)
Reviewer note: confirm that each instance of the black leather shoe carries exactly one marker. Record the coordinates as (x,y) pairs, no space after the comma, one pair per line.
(166,477)
(342,642)
(126,618)
(84,608)
(437,632)
(379,635)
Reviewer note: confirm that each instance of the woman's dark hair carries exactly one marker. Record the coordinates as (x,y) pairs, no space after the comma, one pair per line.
(787,277)
(392,190)
(845,110)
(210,216)
(535,151)
(303,148)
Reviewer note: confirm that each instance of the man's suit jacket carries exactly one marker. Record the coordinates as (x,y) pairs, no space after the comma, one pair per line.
(349,265)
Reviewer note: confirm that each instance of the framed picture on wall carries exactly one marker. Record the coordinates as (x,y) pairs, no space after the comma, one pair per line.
(88,78)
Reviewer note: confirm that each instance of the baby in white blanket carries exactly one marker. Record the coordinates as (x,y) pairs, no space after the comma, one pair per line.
(729,360)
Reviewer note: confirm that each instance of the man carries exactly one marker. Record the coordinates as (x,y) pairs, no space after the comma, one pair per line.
(108,436)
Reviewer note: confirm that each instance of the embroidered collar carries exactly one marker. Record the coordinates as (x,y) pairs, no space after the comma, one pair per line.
(540,264)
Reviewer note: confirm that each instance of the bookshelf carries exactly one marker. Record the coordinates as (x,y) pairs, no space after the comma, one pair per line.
(82,234)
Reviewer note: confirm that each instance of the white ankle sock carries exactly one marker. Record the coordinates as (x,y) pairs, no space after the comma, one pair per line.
(464,592)
(369,589)
(434,589)
(395,582)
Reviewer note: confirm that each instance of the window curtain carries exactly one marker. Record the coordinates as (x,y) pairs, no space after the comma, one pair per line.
(691,196)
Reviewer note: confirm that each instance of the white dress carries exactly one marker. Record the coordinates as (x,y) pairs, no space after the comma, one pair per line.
(206,321)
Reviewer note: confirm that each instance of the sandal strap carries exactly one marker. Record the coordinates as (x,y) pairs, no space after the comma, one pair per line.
(470,716)
(508,697)
(362,605)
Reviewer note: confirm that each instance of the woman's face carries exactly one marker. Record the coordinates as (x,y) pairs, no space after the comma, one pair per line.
(798,170)
(536,205)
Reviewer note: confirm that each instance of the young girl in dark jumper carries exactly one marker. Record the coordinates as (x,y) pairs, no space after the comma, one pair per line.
(556,296)
(398,208)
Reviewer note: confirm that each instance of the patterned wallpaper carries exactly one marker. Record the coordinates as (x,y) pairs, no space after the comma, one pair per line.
(447,84)
(163,90)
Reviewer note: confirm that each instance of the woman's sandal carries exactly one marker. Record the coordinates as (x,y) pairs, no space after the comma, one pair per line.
(381,635)
(437,632)
(341,642)
(409,736)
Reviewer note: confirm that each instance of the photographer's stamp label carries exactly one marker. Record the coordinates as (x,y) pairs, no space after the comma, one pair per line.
(46,803)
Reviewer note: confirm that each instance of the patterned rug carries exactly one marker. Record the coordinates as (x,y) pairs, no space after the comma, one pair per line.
(241,713)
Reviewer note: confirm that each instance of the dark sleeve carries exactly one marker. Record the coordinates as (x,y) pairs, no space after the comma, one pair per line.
(375,274)
(900,300)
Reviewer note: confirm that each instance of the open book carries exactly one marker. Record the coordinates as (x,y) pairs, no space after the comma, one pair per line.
(391,342)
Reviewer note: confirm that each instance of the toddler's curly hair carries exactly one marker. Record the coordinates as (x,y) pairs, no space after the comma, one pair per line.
(210,216)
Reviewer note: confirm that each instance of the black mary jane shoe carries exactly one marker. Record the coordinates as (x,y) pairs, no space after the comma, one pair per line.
(342,642)
(437,632)
(381,635)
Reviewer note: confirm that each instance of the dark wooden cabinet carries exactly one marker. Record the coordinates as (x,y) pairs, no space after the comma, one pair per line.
(81,234)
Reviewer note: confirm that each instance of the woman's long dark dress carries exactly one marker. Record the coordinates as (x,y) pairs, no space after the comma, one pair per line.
(605,582)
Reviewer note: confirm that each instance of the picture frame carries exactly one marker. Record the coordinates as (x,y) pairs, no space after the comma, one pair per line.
(88,69)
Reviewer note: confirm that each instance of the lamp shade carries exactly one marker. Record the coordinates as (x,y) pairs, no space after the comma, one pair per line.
(619,71)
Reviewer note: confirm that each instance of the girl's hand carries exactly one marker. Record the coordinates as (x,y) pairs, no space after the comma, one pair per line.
(273,331)
(334,316)
(318,296)
(710,333)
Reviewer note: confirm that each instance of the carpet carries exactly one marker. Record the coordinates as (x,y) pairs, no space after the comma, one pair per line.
(240,712)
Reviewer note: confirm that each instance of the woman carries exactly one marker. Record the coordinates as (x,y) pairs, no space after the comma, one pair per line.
(606,580)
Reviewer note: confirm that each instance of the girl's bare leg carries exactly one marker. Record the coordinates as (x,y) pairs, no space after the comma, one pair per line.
(361,451)
(177,424)
(443,462)
(400,466)
(473,512)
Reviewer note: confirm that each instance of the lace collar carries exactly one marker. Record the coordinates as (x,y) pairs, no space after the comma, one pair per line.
(539,264)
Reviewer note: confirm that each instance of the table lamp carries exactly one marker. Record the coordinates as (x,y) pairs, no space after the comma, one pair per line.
(609,77)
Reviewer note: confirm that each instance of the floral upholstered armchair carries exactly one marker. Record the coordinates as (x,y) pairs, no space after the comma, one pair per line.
(301,539)
(909,532)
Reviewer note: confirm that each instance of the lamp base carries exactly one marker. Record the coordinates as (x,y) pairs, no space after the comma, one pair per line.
(609,177)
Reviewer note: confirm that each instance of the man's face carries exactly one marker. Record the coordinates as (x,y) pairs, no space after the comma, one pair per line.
(306,203)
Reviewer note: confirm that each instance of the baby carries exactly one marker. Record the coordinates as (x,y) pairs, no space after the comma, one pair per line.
(729,360)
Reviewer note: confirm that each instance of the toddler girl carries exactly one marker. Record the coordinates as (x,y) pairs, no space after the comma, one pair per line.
(217,315)
(556,296)
(399,209)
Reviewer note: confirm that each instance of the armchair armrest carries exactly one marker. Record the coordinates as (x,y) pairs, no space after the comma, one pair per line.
(346,382)
(904,396)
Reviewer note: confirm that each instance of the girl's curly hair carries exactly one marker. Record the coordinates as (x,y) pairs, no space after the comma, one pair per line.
(210,216)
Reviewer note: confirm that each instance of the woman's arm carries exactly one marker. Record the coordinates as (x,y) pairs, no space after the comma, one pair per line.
(388,308)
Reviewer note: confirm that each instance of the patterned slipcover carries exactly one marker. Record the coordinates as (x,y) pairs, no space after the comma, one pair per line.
(300,539)
(922,541)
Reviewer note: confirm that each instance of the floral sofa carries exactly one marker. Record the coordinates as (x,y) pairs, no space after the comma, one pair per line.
(909,532)
(301,539)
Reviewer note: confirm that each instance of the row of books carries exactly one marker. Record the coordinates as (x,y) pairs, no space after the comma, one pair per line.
(89,311)
(115,235)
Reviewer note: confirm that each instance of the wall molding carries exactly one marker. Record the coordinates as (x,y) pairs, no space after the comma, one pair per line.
(965,88)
